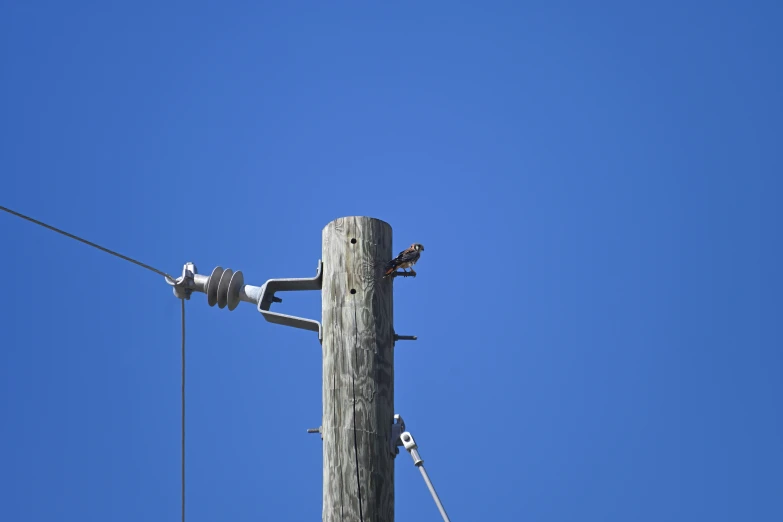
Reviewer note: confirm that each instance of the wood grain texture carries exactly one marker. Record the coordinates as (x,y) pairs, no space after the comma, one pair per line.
(358,371)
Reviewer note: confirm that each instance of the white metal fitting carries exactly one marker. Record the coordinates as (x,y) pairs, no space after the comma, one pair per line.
(397,428)
(183,285)
(412,447)
(407,441)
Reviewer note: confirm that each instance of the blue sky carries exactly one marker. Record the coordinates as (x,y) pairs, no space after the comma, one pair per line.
(598,307)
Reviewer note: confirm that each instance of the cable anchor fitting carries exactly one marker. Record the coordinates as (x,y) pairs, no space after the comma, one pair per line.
(183,285)
(407,440)
(398,427)
(401,437)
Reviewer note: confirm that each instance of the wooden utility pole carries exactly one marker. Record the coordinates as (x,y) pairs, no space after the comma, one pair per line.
(358,371)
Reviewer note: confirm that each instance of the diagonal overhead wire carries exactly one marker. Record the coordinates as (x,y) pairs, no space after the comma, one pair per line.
(183,410)
(90,243)
(152,269)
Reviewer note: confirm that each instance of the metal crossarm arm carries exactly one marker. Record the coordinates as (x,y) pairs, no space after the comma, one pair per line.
(227,288)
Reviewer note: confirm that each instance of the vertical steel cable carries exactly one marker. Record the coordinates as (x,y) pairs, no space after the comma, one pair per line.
(152,269)
(183,410)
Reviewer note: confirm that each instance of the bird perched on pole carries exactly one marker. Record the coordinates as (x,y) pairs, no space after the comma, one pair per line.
(405,259)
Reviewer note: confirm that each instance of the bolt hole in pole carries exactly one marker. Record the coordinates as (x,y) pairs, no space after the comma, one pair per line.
(353,290)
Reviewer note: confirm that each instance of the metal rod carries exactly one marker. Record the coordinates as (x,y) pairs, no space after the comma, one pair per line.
(200,283)
(250,294)
(432,490)
(403,274)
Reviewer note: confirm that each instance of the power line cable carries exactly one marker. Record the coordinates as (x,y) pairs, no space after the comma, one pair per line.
(152,269)
(90,243)
(183,410)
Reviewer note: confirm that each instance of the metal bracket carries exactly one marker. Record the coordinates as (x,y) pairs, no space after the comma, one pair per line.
(401,437)
(225,287)
(398,428)
(183,285)
(287,285)
(403,274)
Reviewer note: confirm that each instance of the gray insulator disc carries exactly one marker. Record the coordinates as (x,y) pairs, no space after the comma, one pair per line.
(234,286)
(212,285)
(222,293)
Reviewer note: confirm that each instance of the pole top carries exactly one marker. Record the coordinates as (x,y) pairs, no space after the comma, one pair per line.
(341,220)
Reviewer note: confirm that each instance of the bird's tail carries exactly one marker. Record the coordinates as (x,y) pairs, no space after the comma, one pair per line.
(389,270)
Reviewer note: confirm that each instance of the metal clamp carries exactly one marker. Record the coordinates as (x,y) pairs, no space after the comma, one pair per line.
(183,285)
(401,437)
(412,447)
(286,285)
(398,427)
